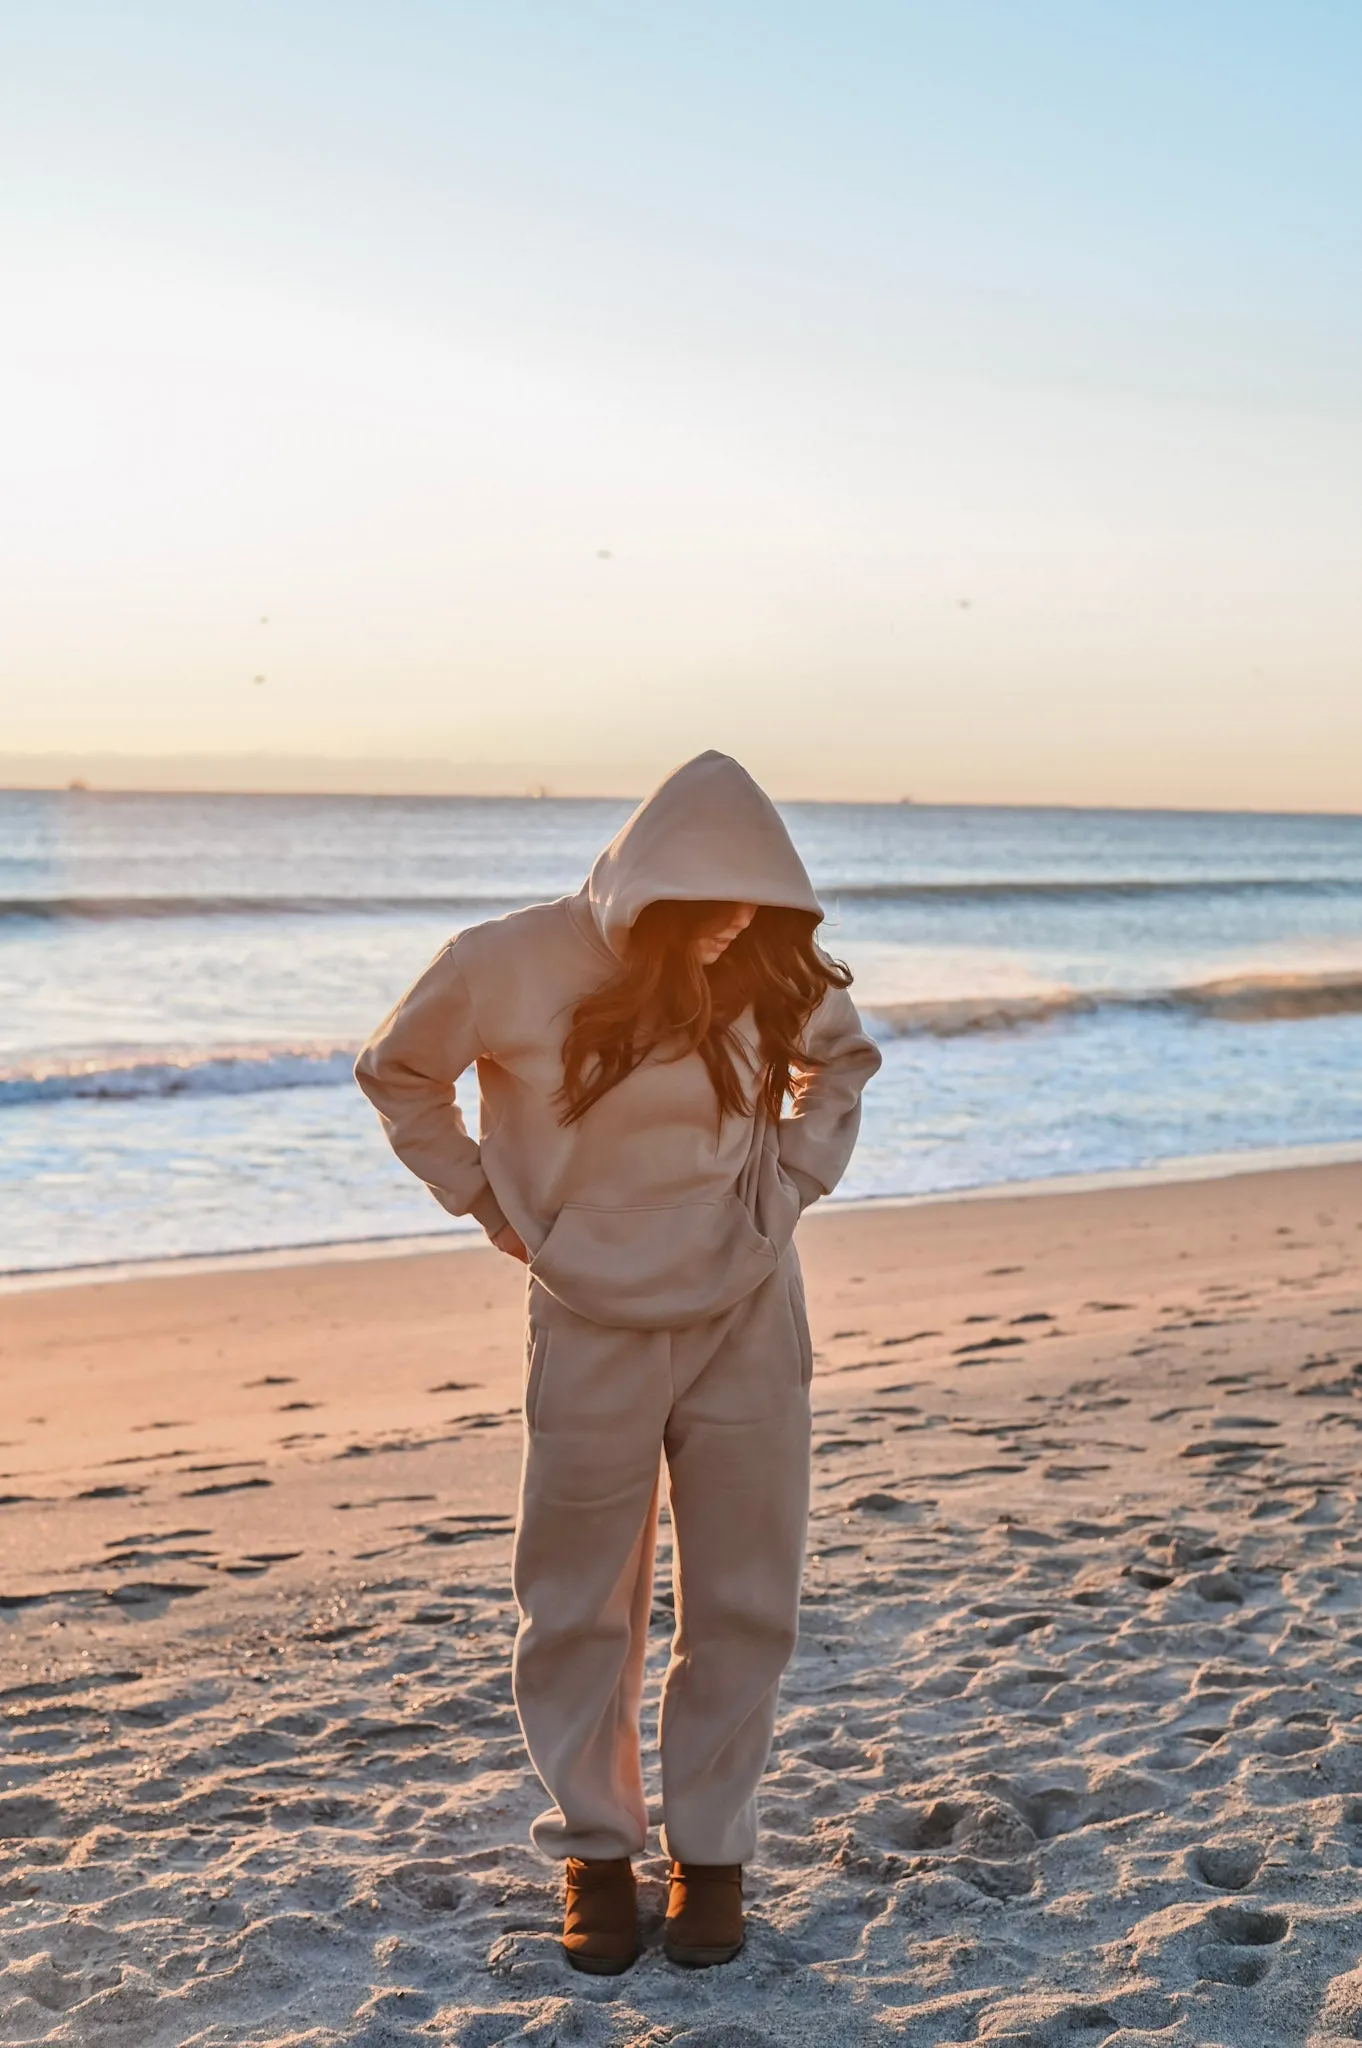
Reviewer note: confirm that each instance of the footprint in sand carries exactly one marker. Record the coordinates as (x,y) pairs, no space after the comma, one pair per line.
(1341,2012)
(1225,1446)
(154,1594)
(468,1529)
(1143,1575)
(1351,1819)
(1239,1936)
(223,1486)
(1016,1628)
(1225,1866)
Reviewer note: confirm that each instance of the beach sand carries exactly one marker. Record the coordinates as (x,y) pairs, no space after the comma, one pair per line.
(1071,1752)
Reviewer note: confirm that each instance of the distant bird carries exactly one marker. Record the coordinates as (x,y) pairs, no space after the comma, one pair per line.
(257,679)
(604,555)
(264,621)
(964,603)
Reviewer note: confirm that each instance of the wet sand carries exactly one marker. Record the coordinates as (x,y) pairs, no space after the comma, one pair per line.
(1071,1752)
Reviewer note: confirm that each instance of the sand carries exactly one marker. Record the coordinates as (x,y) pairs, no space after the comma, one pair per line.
(1071,1752)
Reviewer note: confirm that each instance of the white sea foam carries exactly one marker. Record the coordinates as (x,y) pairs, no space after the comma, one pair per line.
(1234,999)
(226,1070)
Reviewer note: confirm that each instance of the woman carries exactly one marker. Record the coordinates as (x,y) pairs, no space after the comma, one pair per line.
(669,1072)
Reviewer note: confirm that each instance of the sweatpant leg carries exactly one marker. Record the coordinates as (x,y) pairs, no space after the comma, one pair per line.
(738,1455)
(595,1411)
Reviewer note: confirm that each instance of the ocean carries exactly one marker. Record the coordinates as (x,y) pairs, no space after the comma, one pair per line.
(184,981)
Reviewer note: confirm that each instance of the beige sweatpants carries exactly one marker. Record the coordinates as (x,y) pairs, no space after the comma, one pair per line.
(726,1402)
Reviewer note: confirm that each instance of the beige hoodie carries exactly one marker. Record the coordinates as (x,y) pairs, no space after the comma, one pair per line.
(650,1212)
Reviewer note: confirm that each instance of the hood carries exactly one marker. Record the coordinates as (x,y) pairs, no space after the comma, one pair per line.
(709,831)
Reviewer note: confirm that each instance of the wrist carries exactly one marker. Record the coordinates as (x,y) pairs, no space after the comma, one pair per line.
(489,1213)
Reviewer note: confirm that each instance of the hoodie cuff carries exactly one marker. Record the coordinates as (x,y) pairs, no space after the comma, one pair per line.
(488,1212)
(809,1190)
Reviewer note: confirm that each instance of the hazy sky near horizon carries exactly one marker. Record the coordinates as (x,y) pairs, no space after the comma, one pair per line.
(958,400)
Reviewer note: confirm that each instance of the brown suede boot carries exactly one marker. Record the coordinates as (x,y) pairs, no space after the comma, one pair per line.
(704,1914)
(600,1914)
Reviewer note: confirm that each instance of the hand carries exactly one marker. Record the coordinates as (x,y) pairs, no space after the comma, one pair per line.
(509,1240)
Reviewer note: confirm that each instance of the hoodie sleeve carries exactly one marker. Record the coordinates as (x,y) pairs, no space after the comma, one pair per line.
(817,1137)
(408,1071)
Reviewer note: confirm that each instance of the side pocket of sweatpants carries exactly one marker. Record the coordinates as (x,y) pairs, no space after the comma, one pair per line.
(799,1311)
(536,1352)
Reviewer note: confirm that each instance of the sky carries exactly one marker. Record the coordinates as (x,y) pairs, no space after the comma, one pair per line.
(957,401)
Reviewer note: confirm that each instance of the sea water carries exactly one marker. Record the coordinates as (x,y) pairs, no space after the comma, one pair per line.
(184,981)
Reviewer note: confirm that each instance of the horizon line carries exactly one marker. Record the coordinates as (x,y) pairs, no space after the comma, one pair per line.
(540,793)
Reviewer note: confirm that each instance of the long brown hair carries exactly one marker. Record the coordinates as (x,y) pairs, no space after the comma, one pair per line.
(664,996)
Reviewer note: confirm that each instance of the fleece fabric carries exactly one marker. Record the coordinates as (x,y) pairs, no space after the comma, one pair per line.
(726,1401)
(651,1212)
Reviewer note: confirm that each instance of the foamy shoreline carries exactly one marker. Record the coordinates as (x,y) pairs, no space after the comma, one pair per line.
(1214,1166)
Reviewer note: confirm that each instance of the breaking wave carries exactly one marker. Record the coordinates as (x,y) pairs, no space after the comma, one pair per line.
(1094,889)
(1235,999)
(255,1069)
(231,1070)
(109,909)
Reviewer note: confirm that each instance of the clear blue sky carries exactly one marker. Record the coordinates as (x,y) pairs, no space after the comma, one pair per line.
(571,386)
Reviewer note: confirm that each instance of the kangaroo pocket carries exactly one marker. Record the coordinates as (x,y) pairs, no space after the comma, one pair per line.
(653,1268)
